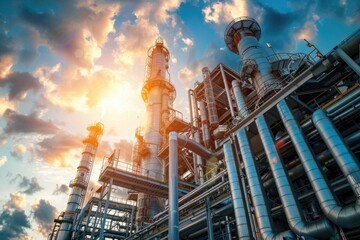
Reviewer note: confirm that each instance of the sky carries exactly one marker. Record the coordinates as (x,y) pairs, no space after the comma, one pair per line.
(67,64)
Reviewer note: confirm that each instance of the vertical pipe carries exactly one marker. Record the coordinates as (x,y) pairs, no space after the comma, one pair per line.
(240,102)
(204,124)
(173,187)
(105,210)
(349,61)
(238,203)
(340,151)
(228,230)
(209,219)
(318,229)
(227,91)
(193,123)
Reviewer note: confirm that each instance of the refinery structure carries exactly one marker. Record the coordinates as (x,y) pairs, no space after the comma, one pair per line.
(270,152)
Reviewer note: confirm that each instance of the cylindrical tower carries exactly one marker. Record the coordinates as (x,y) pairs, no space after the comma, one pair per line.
(80,183)
(242,37)
(158,94)
(210,98)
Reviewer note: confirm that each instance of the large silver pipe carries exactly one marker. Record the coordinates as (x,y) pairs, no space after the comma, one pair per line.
(343,216)
(240,101)
(340,151)
(298,170)
(173,187)
(227,90)
(204,124)
(242,225)
(263,217)
(319,229)
(198,148)
(349,61)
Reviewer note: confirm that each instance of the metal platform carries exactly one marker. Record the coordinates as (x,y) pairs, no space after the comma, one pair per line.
(123,175)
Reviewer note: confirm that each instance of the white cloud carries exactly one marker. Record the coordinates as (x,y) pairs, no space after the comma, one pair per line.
(225,11)
(186,75)
(307,31)
(173,59)
(3,160)
(184,49)
(188,42)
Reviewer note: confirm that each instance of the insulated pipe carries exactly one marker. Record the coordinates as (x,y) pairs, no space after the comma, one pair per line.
(204,124)
(263,217)
(173,188)
(319,229)
(347,217)
(240,101)
(349,61)
(227,91)
(346,160)
(198,148)
(242,225)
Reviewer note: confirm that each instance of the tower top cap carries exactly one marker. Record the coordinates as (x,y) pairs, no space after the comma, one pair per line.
(231,35)
(159,41)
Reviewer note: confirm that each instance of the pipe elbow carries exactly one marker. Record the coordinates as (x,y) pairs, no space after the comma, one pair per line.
(321,229)
(318,115)
(349,216)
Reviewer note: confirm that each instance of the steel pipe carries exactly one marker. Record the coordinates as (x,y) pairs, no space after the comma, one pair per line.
(227,91)
(320,229)
(262,213)
(343,216)
(240,101)
(173,188)
(348,60)
(242,224)
(204,124)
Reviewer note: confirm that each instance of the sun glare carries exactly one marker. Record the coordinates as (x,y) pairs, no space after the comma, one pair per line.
(120,100)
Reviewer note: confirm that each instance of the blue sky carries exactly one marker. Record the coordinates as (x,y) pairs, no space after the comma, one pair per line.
(67,64)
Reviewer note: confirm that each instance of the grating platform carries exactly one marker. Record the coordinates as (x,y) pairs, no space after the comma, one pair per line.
(139,183)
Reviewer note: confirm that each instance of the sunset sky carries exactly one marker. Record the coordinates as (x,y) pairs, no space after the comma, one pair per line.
(66,64)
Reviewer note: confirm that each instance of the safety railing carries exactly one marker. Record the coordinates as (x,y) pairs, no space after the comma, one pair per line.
(115,199)
(131,168)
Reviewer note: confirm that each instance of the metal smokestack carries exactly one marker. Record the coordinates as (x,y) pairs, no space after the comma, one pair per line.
(81,181)
(242,37)
(158,94)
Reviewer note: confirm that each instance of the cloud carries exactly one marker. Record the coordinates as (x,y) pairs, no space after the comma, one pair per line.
(225,11)
(186,75)
(19,123)
(44,214)
(76,90)
(30,186)
(17,201)
(60,149)
(13,224)
(76,30)
(18,151)
(125,148)
(188,42)
(8,49)
(3,160)
(19,83)
(307,31)
(61,189)
(133,41)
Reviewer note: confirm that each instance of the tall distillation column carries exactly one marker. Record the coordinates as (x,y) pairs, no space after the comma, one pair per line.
(80,183)
(158,94)
(242,37)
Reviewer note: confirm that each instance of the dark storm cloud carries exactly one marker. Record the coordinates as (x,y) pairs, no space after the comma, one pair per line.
(19,83)
(30,186)
(44,214)
(13,224)
(61,189)
(19,123)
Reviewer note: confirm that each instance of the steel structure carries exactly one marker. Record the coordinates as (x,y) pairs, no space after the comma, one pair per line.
(271,152)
